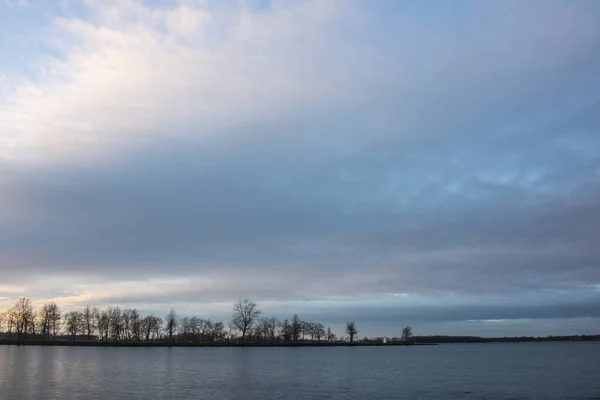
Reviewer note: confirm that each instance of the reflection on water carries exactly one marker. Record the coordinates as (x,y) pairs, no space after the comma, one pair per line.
(490,371)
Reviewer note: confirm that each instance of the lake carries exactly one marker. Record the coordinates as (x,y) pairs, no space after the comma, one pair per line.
(453,371)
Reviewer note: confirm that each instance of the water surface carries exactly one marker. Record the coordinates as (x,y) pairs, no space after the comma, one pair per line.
(455,371)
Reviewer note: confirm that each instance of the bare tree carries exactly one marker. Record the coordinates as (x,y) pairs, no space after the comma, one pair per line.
(157,324)
(87,316)
(296,328)
(286,331)
(204,327)
(34,324)
(150,327)
(184,328)
(264,326)
(44,323)
(195,327)
(406,333)
(146,327)
(11,321)
(304,328)
(215,330)
(309,329)
(207,327)
(272,328)
(230,331)
(330,335)
(23,312)
(127,318)
(115,319)
(55,316)
(171,323)
(135,325)
(116,324)
(351,330)
(245,313)
(74,323)
(103,324)
(47,319)
(318,331)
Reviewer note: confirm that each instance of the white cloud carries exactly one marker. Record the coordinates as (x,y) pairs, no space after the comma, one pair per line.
(136,71)
(130,74)
(185,22)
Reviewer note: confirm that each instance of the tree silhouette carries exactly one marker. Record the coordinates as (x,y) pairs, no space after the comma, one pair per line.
(103,324)
(113,324)
(330,335)
(286,331)
(88,321)
(296,328)
(245,313)
(115,319)
(74,323)
(171,323)
(407,333)
(351,330)
(23,314)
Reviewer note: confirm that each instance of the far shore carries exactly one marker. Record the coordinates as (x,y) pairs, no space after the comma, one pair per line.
(416,341)
(97,343)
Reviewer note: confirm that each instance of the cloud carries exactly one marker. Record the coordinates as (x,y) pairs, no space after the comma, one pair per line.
(127,74)
(134,73)
(303,152)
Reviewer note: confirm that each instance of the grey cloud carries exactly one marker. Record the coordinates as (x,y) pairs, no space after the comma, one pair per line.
(464,313)
(181,208)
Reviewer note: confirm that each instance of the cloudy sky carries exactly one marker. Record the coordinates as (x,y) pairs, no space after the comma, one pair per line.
(426,163)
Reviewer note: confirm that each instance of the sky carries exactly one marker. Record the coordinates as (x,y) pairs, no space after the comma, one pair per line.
(435,164)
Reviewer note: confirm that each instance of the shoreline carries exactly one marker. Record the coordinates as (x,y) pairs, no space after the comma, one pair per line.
(424,341)
(93,343)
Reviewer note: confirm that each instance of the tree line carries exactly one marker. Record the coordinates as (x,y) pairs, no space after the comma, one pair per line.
(115,324)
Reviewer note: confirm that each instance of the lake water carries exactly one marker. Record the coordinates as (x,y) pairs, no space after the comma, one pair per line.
(454,371)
